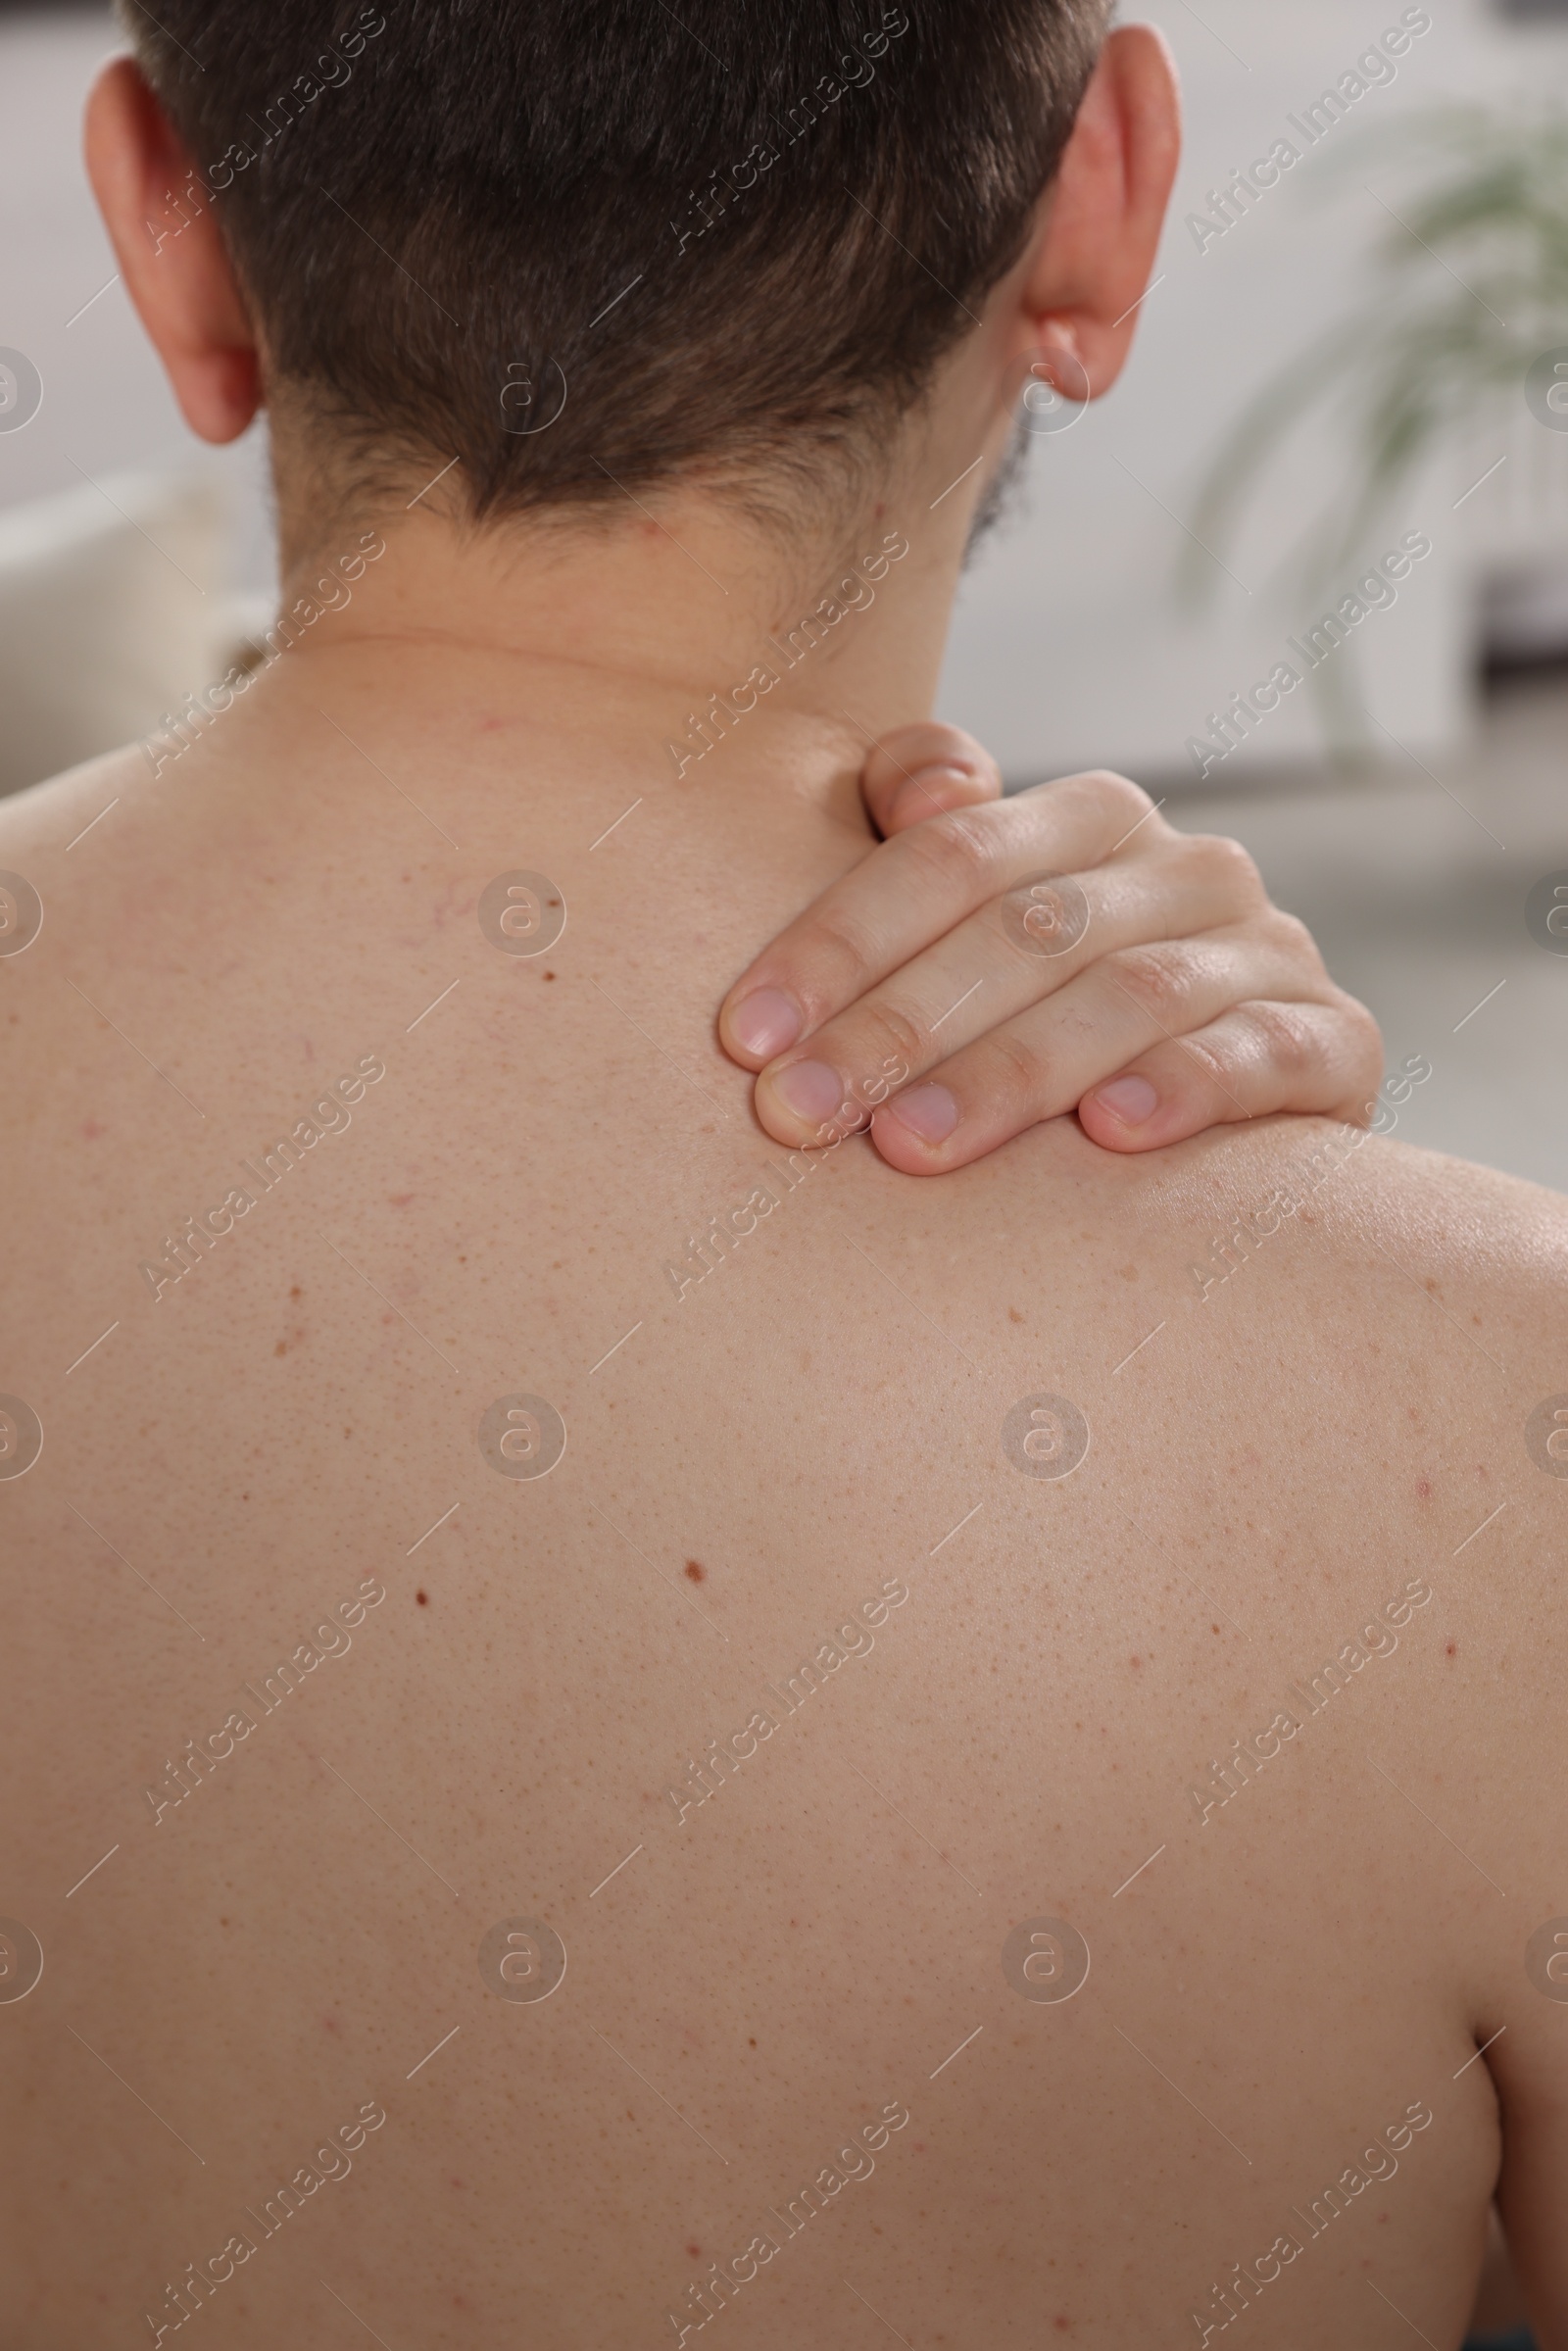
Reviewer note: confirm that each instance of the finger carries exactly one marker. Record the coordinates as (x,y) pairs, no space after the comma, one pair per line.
(1253,1060)
(910,890)
(1017,950)
(923,770)
(1042,1063)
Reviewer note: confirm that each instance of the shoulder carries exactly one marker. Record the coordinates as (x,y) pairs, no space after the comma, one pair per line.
(71,901)
(1359,1196)
(61,871)
(44,821)
(1368,1334)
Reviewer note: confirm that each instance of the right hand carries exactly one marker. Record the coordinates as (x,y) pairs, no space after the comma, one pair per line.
(917,999)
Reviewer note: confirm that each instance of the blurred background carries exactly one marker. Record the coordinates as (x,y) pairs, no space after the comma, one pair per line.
(1356,334)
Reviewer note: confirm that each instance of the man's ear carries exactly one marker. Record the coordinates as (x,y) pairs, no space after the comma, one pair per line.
(158,213)
(1101,219)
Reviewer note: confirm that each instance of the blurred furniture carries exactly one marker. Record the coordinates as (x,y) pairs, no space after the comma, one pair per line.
(112,608)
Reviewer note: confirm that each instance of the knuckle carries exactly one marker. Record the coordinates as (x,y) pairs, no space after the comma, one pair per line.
(1290,934)
(958,852)
(1209,1053)
(1365,1030)
(884,1033)
(1362,1043)
(1161,980)
(1121,800)
(1228,865)
(1014,1070)
(834,962)
(1289,1039)
(1115,788)
(838,948)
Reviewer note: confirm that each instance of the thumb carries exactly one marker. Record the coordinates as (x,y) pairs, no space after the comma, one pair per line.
(922,770)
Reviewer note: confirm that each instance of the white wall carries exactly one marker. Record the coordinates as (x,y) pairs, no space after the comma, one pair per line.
(1068,649)
(105,406)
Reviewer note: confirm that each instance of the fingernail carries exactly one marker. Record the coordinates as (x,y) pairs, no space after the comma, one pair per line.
(928,1111)
(930,791)
(812,1090)
(1131,1100)
(766,1022)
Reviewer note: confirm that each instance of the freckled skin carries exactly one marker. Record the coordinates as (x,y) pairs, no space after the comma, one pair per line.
(817,1937)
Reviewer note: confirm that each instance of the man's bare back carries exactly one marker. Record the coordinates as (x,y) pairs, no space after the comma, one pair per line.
(615,1731)
(782,1863)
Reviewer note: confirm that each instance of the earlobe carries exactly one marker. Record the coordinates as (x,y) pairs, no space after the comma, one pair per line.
(160,215)
(1057,386)
(1101,220)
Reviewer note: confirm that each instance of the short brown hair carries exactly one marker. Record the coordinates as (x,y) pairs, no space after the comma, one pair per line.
(576,244)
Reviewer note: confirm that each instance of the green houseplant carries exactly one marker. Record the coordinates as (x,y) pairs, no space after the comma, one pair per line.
(1467,293)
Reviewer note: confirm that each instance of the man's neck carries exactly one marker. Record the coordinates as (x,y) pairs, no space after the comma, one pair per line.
(669,633)
(502,740)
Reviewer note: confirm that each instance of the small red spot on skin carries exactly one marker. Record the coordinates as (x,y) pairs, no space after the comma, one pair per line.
(1134,1662)
(694,1571)
(332,2025)
(1062,2323)
(695,2252)
(1453,1647)
(91,1130)
(424,1598)
(1423,1487)
(919,2146)
(487,726)
(400,1199)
